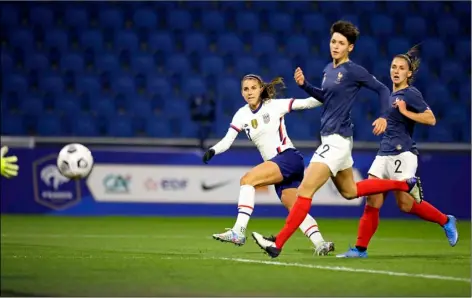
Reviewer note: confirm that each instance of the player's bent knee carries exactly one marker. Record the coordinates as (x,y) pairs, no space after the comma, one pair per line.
(246,180)
(404,204)
(349,194)
(374,201)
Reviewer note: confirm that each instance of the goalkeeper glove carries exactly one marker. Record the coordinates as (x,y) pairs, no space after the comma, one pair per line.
(8,166)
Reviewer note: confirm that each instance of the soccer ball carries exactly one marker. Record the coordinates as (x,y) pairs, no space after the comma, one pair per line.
(75,161)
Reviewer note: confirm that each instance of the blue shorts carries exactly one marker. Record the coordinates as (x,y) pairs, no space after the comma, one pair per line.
(292,167)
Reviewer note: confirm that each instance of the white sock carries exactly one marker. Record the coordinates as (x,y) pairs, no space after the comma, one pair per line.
(309,227)
(245,207)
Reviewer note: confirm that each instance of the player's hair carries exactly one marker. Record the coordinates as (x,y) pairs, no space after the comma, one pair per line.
(413,61)
(347,29)
(270,88)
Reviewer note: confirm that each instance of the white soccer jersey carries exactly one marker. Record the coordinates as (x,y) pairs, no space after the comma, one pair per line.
(265,127)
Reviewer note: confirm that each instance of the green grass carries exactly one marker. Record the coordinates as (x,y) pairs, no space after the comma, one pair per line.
(123,256)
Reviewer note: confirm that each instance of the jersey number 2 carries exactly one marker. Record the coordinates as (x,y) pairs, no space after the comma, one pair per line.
(398,163)
(248,133)
(325,149)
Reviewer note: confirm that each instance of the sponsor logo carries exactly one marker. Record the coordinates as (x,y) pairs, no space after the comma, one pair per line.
(51,189)
(209,187)
(166,184)
(114,183)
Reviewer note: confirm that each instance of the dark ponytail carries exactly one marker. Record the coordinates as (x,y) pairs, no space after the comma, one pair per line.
(413,60)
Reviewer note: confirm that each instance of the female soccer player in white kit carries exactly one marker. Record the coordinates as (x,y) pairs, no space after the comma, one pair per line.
(333,159)
(262,119)
(398,156)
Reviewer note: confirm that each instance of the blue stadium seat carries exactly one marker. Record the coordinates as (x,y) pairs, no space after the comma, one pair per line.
(119,126)
(50,125)
(161,41)
(175,107)
(298,45)
(352,18)
(126,40)
(280,22)
(52,84)
(9,16)
(124,84)
(15,83)
(142,63)
(31,106)
(451,70)
(331,7)
(213,21)
(194,86)
(461,7)
(381,25)
(76,18)
(283,67)
(382,70)
(177,64)
(432,8)
(12,124)
(264,44)
(227,87)
(464,93)
(68,105)
(432,49)
(107,62)
(179,20)
(212,65)
(41,16)
(56,38)
(85,128)
(397,7)
(111,18)
(103,106)
(158,86)
(195,43)
(462,50)
(88,85)
(145,18)
(23,39)
(72,62)
(37,61)
(448,27)
(398,45)
(247,21)
(314,69)
(315,22)
(229,43)
(158,127)
(247,65)
(366,47)
(441,132)
(415,28)
(91,39)
(437,96)
(7,63)
(140,107)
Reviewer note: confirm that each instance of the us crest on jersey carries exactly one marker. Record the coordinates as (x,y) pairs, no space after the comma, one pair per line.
(254,123)
(266,118)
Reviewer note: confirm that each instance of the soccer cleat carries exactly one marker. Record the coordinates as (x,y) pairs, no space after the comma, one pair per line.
(266,245)
(353,252)
(231,236)
(324,248)
(451,230)
(415,189)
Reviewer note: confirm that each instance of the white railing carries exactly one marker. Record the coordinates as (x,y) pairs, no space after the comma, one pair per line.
(31,142)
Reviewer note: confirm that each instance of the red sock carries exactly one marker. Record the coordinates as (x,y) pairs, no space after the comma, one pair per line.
(375,186)
(428,212)
(296,216)
(367,226)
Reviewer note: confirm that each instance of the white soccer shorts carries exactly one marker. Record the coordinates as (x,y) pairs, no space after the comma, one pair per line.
(335,151)
(395,167)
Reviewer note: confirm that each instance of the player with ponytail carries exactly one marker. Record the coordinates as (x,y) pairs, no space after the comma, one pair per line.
(262,119)
(397,158)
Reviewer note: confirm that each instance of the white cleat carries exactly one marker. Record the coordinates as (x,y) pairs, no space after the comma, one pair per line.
(266,245)
(324,248)
(231,237)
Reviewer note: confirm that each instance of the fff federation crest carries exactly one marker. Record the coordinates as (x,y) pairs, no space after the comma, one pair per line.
(51,189)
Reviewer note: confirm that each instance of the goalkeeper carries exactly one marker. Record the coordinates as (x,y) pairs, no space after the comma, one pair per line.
(8,166)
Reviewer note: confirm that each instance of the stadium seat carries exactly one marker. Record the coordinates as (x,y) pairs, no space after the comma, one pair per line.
(56,38)
(41,16)
(52,84)
(280,22)
(247,21)
(85,128)
(110,18)
(22,39)
(50,125)
(177,64)
(194,86)
(119,126)
(158,86)
(91,39)
(397,7)
(145,18)
(195,43)
(298,45)
(448,27)
(415,28)
(31,106)
(264,44)
(107,62)
(126,40)
(332,7)
(398,45)
(366,47)
(179,20)
(229,44)
(76,18)
(316,23)
(9,16)
(211,65)
(161,41)
(434,8)
(157,127)
(67,105)
(213,21)
(432,49)
(451,70)
(15,83)
(246,65)
(124,84)
(441,132)
(12,124)
(462,50)
(37,62)
(103,106)
(72,62)
(381,25)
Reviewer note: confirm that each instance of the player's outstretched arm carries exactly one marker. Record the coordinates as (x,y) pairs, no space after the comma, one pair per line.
(426,117)
(222,145)
(304,104)
(8,166)
(307,87)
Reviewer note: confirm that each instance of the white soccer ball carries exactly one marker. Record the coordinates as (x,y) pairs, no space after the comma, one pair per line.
(75,161)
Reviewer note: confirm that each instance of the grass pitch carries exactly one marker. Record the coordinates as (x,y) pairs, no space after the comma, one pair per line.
(144,256)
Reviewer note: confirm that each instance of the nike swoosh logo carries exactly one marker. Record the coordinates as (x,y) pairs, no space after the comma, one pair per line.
(207,187)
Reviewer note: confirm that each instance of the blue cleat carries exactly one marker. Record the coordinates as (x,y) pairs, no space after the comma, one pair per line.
(353,252)
(451,230)
(415,189)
